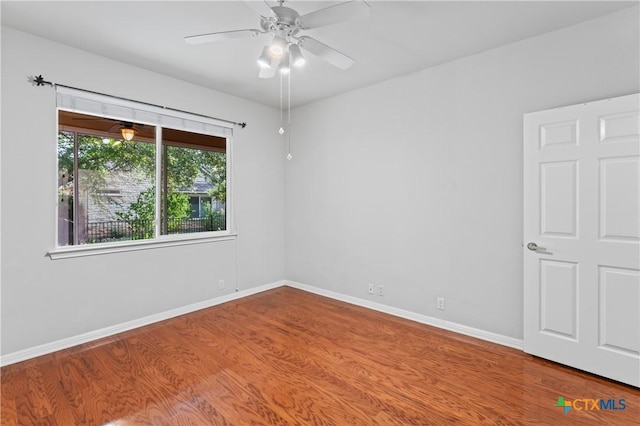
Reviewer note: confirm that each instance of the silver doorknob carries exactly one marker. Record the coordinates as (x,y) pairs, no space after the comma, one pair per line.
(534,247)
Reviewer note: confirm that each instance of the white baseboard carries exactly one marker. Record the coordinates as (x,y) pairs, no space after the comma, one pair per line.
(423,319)
(68,342)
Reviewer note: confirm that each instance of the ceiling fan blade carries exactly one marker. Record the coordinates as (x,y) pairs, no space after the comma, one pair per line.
(261,7)
(325,52)
(354,9)
(223,35)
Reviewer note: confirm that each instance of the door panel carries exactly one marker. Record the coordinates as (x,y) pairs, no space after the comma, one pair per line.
(618,207)
(559,298)
(558,134)
(582,209)
(558,198)
(619,127)
(620,295)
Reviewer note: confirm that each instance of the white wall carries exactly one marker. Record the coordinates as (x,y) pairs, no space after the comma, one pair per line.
(45,300)
(416,183)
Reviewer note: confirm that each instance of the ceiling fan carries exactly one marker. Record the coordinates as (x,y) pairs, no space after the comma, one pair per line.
(125,128)
(284,24)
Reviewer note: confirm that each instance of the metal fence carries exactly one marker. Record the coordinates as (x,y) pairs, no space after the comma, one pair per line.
(120,230)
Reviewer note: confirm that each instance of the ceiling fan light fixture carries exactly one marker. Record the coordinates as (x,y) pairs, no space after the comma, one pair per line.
(277,48)
(264,60)
(285,65)
(296,56)
(127,133)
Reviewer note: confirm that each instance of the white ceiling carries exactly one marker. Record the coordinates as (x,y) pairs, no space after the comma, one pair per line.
(400,37)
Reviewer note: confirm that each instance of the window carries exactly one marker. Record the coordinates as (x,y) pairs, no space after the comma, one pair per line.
(193,163)
(169,179)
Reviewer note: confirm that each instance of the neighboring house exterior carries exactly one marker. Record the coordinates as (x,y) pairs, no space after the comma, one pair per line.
(101,197)
(121,189)
(100,202)
(199,197)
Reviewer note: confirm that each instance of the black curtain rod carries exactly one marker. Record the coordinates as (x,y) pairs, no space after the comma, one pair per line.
(40,81)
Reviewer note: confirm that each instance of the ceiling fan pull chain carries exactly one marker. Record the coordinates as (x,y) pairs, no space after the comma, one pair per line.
(289,97)
(281,130)
(281,115)
(289,156)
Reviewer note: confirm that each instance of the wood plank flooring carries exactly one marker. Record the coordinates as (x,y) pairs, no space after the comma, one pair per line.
(287,357)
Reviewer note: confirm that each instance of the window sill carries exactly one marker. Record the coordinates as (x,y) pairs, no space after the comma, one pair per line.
(107,248)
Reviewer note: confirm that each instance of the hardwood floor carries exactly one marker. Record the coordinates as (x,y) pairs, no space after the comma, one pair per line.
(287,357)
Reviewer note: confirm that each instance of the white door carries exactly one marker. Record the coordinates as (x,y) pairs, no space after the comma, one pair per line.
(582,211)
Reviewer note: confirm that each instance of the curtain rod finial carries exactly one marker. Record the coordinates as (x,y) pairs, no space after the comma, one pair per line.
(39,80)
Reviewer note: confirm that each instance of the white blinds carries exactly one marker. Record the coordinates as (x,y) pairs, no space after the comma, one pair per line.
(109,107)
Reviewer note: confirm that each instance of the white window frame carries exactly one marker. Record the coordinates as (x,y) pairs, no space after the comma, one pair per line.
(90,103)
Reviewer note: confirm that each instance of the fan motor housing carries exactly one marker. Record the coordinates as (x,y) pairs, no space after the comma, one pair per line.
(286,19)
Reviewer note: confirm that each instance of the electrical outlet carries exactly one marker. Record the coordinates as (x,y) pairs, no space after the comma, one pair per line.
(371,289)
(380,290)
(440,303)
(221,285)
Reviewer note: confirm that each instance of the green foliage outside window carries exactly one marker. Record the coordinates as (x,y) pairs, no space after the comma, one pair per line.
(99,158)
